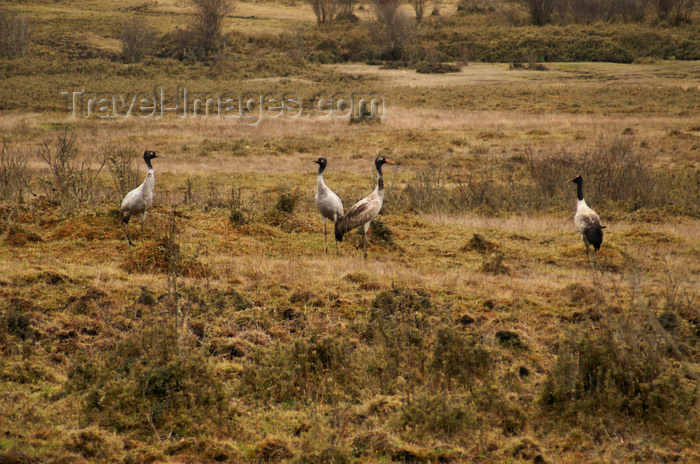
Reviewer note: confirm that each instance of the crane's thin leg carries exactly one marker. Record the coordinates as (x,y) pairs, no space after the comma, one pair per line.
(325,234)
(143,221)
(588,250)
(365,227)
(125,226)
(337,250)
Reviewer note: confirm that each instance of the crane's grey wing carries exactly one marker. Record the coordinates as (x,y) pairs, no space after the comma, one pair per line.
(362,212)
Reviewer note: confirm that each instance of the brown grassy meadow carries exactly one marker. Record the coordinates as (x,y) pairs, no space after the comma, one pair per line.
(476,331)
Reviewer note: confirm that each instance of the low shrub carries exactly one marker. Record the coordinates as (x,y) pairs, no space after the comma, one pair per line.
(313,366)
(624,368)
(149,383)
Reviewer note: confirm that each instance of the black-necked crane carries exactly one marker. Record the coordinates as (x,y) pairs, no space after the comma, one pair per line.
(586,220)
(362,212)
(139,200)
(328,202)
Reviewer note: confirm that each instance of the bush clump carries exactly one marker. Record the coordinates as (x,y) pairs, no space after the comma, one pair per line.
(458,358)
(314,366)
(150,380)
(624,368)
(397,300)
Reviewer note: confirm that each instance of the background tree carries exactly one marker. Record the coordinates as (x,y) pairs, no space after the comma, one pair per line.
(209,19)
(393,30)
(345,9)
(15,34)
(136,38)
(324,10)
(540,11)
(419,8)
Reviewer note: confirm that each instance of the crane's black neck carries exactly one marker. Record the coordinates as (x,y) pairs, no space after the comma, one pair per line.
(380,180)
(579,189)
(321,168)
(148,162)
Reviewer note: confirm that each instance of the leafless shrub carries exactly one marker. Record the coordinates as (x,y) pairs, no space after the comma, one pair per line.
(324,10)
(297,51)
(433,191)
(589,11)
(615,173)
(527,61)
(15,34)
(628,10)
(540,11)
(674,11)
(209,19)
(71,182)
(419,9)
(136,38)
(13,177)
(344,10)
(475,6)
(121,167)
(393,30)
(386,11)
(511,12)
(613,170)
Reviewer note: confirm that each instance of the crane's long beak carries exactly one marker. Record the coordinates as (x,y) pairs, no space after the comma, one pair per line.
(386,161)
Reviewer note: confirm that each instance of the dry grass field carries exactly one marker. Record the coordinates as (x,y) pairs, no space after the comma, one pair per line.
(477,330)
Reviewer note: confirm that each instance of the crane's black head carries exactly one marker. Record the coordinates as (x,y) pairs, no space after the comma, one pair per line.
(577,180)
(381,161)
(149,155)
(321,162)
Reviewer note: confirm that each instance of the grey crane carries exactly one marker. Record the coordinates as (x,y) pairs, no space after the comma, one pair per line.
(362,212)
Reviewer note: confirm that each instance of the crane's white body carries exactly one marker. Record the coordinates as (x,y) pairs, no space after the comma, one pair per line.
(585,217)
(328,202)
(139,200)
(586,220)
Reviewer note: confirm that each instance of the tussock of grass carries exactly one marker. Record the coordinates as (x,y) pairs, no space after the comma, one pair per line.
(162,256)
(479,244)
(493,264)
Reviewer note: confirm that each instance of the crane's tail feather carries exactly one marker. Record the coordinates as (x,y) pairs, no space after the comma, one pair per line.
(339,232)
(594,235)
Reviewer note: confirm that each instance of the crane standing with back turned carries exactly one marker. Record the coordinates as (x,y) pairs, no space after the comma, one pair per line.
(139,200)
(586,220)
